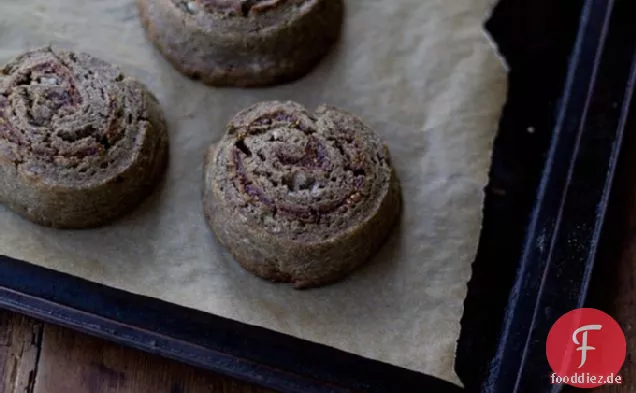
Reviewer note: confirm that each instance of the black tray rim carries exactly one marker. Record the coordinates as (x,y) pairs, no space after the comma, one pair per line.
(249,353)
(567,223)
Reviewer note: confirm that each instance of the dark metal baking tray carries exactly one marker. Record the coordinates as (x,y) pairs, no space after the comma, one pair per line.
(566,107)
(566,222)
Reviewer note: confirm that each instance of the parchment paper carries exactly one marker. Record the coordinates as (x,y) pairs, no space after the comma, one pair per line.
(421,72)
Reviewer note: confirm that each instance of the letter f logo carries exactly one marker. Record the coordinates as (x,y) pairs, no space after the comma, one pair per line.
(584,347)
(568,350)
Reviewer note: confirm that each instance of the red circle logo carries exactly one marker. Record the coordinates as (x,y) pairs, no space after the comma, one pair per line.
(586,348)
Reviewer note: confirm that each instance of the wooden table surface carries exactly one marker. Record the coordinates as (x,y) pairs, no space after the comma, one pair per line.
(41,358)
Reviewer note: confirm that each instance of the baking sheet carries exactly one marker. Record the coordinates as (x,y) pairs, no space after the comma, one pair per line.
(421,72)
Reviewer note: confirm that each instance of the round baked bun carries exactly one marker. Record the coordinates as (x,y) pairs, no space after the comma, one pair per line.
(80,143)
(243,42)
(297,197)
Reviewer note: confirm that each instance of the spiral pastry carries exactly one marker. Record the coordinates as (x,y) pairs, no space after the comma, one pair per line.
(80,143)
(243,42)
(300,198)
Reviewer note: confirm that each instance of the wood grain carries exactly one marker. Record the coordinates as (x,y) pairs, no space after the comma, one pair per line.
(20,340)
(40,358)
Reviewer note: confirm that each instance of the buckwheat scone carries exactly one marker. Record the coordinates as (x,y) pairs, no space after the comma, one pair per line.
(243,42)
(80,143)
(299,197)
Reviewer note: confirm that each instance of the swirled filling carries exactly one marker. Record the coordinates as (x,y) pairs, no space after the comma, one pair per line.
(284,171)
(59,116)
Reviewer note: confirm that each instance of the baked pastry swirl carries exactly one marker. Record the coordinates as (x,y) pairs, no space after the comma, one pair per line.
(299,197)
(80,143)
(243,42)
